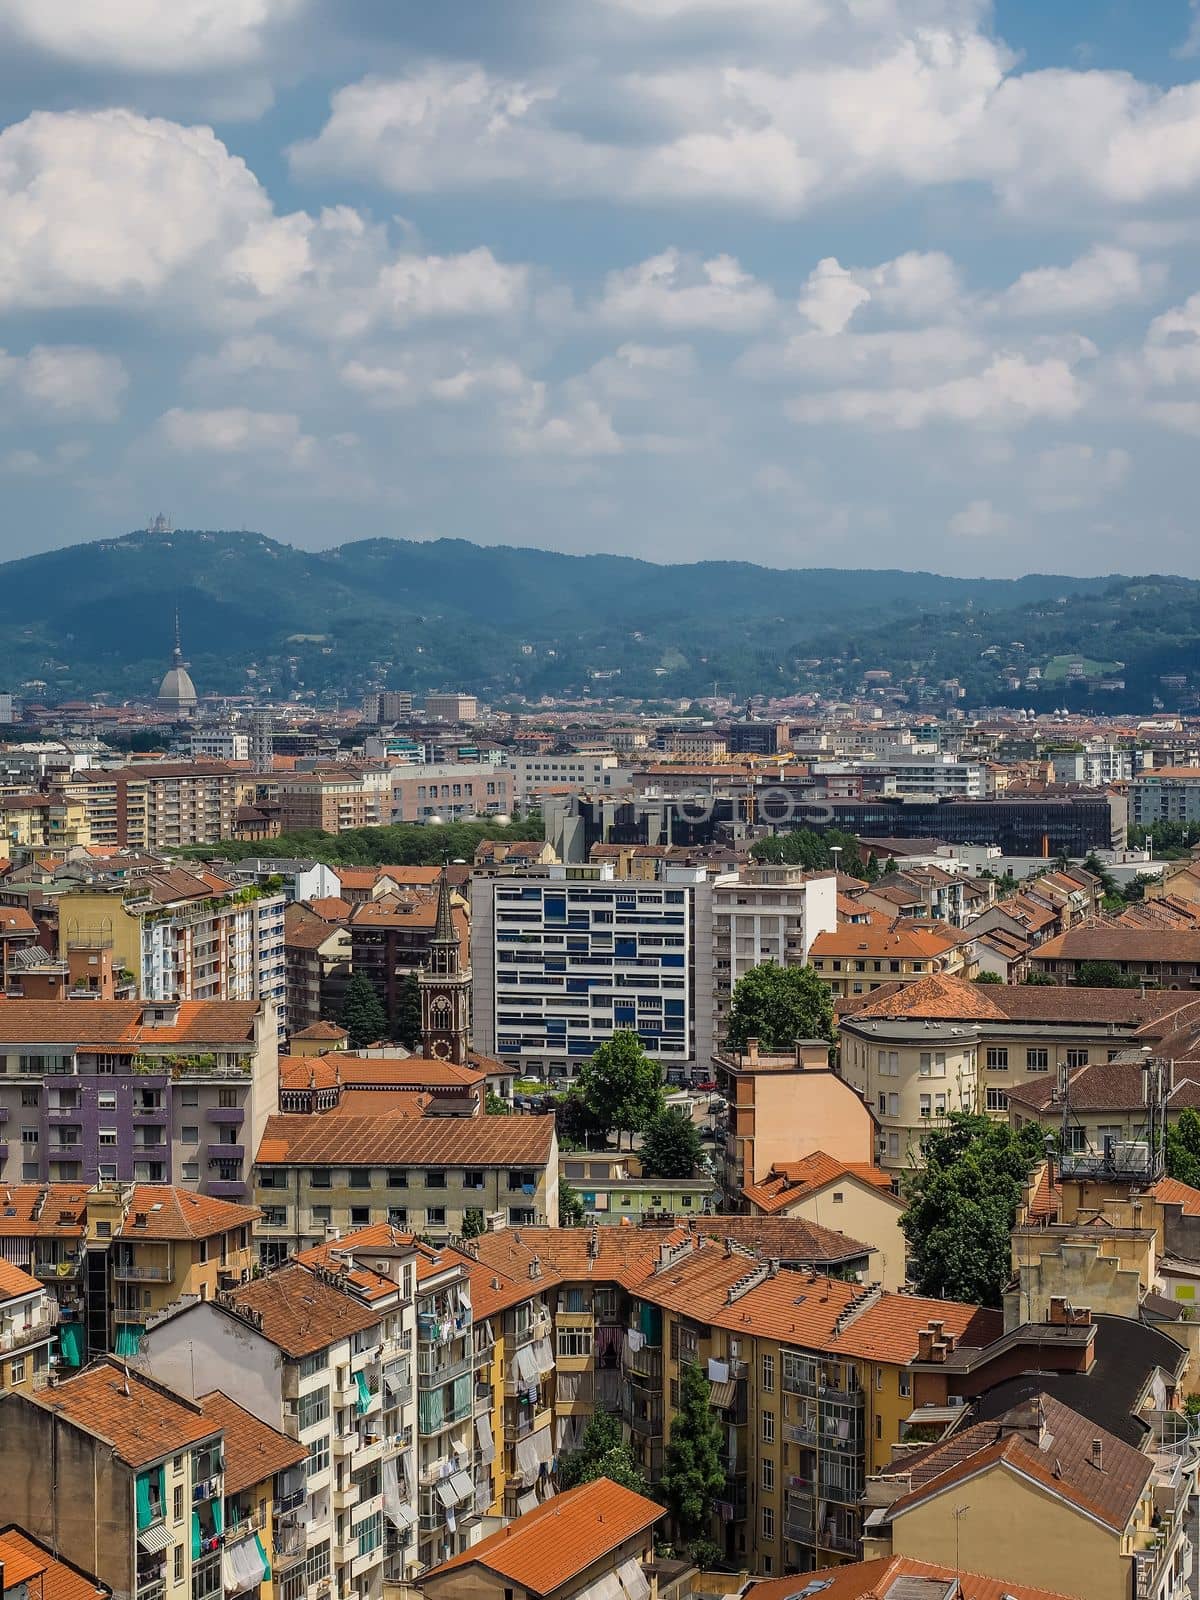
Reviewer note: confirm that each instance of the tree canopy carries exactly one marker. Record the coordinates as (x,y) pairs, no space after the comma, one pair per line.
(1105,975)
(406,1023)
(777,1006)
(1183,1148)
(363,1016)
(620,1084)
(803,847)
(961,1205)
(602,1453)
(670,1145)
(570,1205)
(693,1473)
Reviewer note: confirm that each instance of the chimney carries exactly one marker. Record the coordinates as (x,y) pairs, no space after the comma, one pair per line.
(535,1266)
(924,1345)
(1098,1454)
(752,1051)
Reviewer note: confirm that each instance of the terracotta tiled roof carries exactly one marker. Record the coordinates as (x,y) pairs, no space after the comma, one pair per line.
(15,919)
(936,996)
(887,1331)
(886,1579)
(15,1282)
(301,1314)
(626,1256)
(304,1072)
(1105,1086)
(330,908)
(118,1022)
(171,1213)
(322,1030)
(789,1181)
(1170,1192)
(304,930)
(26,1562)
(787,1239)
(253,1450)
(401,1141)
(1109,1492)
(1111,942)
(549,1546)
(142,1420)
(883,939)
(404,1072)
(61,1214)
(343,1256)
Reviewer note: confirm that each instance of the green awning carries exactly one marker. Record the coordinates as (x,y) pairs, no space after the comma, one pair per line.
(195,1536)
(141,1491)
(218,1514)
(70,1344)
(263,1555)
(129,1339)
(364,1394)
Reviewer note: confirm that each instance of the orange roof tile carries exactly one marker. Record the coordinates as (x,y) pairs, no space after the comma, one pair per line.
(330,907)
(253,1450)
(406,1141)
(887,1331)
(937,996)
(883,939)
(1171,1192)
(24,1559)
(14,1282)
(878,1579)
(322,1030)
(119,1022)
(789,1181)
(60,1209)
(301,1314)
(141,1419)
(159,1211)
(556,1541)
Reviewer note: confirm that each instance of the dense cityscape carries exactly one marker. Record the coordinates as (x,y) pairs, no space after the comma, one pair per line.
(599,800)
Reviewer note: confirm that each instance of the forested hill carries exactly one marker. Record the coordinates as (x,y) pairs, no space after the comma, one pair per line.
(264,615)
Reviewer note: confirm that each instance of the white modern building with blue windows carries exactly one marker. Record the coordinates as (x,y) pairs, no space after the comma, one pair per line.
(564,956)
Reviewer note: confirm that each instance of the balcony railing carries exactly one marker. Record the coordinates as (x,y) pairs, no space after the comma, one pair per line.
(135,1271)
(35,1333)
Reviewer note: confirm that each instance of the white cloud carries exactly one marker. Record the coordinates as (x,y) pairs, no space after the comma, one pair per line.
(469,285)
(581,430)
(979,519)
(891,356)
(914,286)
(677,291)
(831,296)
(181,36)
(65,383)
(1106,276)
(1010,392)
(236,431)
(247,355)
(1073,475)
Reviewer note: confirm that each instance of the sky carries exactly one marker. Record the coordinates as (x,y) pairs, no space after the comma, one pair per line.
(858,283)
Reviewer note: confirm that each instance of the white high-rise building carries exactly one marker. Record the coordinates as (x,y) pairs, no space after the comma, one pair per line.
(766,913)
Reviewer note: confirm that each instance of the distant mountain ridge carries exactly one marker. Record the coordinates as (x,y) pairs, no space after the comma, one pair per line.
(262,614)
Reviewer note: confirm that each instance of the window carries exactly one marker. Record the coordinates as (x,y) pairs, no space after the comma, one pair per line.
(177,1565)
(17,1371)
(768,1374)
(893,1146)
(397,1178)
(108,1136)
(191,1171)
(360,1178)
(435,1216)
(30,1097)
(398,1216)
(997,1100)
(312,1408)
(1037,1060)
(997,1058)
(1077,1058)
(360,1216)
(933,1064)
(768,1473)
(472,1178)
(316,1564)
(190,1134)
(29,1136)
(106,1100)
(905,1385)
(926,1105)
(177,1503)
(228,1098)
(574,1342)
(889,1063)
(768,1522)
(435,1180)
(310,1365)
(191,1097)
(768,1427)
(107,1172)
(322,1215)
(319,1178)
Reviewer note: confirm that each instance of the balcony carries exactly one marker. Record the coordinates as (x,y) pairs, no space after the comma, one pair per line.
(797,1433)
(63,1113)
(344,1445)
(347,1497)
(433,1371)
(64,1266)
(226,1116)
(57,1150)
(135,1272)
(837,1540)
(225,1152)
(17,1338)
(229,1189)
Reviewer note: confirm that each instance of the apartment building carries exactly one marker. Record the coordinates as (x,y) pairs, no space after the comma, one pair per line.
(590,771)
(114,1255)
(335,798)
(456,707)
(184,935)
(122,1476)
(420,1174)
(820,1191)
(161,805)
(133,1091)
(218,744)
(262,1554)
(944,1045)
(387,705)
(1164,794)
(43,822)
(451,791)
(318,956)
(391,939)
(766,913)
(563,957)
(861,957)
(306,1351)
(1168,958)
(28,1328)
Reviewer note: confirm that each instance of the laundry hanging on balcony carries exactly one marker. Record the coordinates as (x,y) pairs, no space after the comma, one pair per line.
(70,1344)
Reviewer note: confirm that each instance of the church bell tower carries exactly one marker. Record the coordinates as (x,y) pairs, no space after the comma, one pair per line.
(445,988)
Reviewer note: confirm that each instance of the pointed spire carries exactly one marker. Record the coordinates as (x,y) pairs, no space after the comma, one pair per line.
(177,654)
(443,929)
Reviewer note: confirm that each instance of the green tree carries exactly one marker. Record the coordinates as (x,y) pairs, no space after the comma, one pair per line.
(988,977)
(961,1205)
(473,1223)
(670,1145)
(570,1205)
(363,1016)
(406,1023)
(870,869)
(494,1106)
(777,1006)
(577,1128)
(1183,1148)
(693,1472)
(889,867)
(1039,980)
(1104,975)
(621,1085)
(1093,864)
(602,1453)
